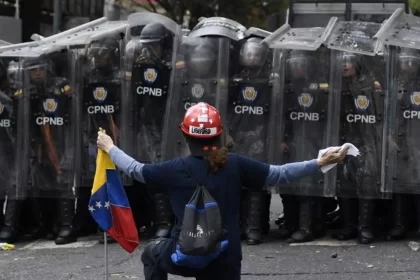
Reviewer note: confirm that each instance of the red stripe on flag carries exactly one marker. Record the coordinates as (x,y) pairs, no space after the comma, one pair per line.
(124,229)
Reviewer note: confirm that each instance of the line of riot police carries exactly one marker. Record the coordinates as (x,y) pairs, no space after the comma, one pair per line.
(283,96)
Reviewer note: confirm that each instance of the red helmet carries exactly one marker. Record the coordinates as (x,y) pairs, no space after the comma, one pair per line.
(202,121)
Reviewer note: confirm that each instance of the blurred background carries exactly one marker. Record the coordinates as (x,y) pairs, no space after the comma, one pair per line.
(19,19)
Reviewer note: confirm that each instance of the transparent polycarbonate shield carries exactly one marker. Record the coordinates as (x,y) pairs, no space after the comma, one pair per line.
(251,111)
(401,30)
(306,115)
(8,116)
(219,26)
(149,67)
(402,121)
(202,76)
(355,36)
(44,121)
(97,76)
(358,85)
(300,38)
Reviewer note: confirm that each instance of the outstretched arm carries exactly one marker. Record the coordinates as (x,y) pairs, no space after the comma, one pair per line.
(127,164)
(287,173)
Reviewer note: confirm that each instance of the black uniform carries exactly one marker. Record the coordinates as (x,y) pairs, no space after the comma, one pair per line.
(50,154)
(149,59)
(248,120)
(98,74)
(305,107)
(6,110)
(362,107)
(404,144)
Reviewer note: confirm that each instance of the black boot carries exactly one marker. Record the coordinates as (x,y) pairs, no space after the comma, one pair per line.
(304,233)
(348,214)
(10,230)
(366,209)
(398,230)
(417,211)
(291,216)
(319,222)
(255,206)
(265,214)
(65,233)
(37,229)
(163,216)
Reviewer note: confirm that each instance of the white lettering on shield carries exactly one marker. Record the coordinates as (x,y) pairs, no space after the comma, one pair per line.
(188,105)
(355,118)
(411,114)
(5,123)
(302,116)
(101,109)
(49,121)
(149,91)
(252,110)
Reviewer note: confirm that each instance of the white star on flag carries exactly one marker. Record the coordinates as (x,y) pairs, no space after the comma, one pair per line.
(201,125)
(98,204)
(204,109)
(192,120)
(107,204)
(211,121)
(91,209)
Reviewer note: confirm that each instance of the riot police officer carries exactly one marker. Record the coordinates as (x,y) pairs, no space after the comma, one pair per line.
(4,99)
(249,99)
(50,160)
(361,111)
(98,73)
(405,177)
(305,104)
(149,70)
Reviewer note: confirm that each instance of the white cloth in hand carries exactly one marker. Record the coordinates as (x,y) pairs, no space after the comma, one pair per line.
(352,151)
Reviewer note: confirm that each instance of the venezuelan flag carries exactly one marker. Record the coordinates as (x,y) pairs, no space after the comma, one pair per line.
(109,204)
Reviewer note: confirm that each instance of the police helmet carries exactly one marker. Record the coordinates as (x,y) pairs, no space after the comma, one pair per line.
(201,57)
(253,53)
(300,64)
(154,32)
(409,60)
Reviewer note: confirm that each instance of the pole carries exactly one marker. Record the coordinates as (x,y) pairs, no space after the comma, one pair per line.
(57,16)
(106,255)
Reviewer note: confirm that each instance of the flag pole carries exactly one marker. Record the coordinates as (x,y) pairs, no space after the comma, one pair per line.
(106,255)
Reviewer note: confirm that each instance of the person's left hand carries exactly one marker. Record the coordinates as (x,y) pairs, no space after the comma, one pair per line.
(332,156)
(104,142)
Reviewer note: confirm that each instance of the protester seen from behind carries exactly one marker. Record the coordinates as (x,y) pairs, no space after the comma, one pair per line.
(204,190)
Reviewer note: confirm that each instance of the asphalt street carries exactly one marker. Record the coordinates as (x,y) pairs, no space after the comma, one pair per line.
(320,260)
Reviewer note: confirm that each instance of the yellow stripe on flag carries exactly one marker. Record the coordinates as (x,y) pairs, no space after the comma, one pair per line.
(103,162)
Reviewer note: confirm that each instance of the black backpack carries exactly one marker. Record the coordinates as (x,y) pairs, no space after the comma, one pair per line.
(202,236)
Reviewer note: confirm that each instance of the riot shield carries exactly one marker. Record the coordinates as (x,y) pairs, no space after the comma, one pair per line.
(251,111)
(357,82)
(402,112)
(149,64)
(44,119)
(202,77)
(98,77)
(7,132)
(305,110)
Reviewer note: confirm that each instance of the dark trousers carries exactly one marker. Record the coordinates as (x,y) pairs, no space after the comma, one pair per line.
(157,263)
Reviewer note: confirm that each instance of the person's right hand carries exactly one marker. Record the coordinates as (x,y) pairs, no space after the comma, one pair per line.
(104,142)
(332,156)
